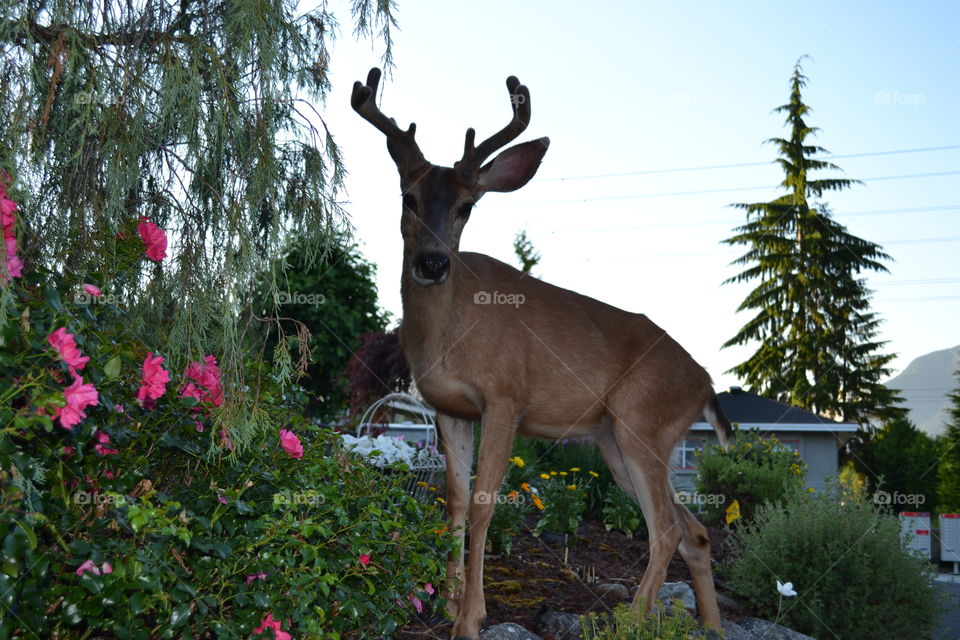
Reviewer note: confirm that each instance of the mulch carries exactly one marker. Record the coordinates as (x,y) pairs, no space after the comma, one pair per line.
(539,572)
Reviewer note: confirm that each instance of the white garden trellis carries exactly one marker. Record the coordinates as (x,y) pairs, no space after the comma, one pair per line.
(426,468)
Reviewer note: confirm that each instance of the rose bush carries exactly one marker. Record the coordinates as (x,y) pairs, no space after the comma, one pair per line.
(129,513)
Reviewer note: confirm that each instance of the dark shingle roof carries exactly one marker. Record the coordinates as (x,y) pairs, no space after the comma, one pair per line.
(748,408)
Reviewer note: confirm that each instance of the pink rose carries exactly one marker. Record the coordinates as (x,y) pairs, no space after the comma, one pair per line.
(205,385)
(78,397)
(155,379)
(270,623)
(365,559)
(291,443)
(154,240)
(66,348)
(88,566)
(92,290)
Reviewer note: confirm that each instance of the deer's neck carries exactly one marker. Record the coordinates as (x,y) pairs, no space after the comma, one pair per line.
(427,317)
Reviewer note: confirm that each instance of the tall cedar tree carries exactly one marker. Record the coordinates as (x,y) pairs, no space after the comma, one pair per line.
(817,335)
(948,493)
(525,252)
(200,115)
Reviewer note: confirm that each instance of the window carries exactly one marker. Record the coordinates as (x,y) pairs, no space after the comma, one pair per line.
(788,445)
(686,453)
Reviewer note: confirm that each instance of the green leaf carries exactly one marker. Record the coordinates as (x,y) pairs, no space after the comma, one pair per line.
(179,615)
(112,368)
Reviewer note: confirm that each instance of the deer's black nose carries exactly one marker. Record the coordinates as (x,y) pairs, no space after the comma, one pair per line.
(433,266)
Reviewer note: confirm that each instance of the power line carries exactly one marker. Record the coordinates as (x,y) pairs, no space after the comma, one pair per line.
(737,165)
(733,223)
(669,194)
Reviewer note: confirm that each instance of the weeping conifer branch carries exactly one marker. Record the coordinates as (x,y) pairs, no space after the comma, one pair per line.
(197,115)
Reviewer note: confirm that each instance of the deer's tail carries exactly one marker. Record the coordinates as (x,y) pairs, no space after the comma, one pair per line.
(715,416)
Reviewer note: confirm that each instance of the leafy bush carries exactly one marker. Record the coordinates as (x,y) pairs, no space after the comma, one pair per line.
(564,495)
(622,512)
(626,624)
(845,557)
(574,453)
(753,471)
(130,510)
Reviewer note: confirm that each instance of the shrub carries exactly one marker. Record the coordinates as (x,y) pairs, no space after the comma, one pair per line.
(753,471)
(577,453)
(139,517)
(847,561)
(564,496)
(626,624)
(622,512)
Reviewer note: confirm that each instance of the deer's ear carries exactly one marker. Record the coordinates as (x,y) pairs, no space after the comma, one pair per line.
(514,167)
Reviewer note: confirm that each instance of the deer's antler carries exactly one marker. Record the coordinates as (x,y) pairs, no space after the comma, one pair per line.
(401,144)
(473,157)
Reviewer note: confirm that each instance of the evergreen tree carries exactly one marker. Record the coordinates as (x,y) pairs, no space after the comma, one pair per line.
(900,464)
(818,338)
(526,254)
(948,493)
(335,299)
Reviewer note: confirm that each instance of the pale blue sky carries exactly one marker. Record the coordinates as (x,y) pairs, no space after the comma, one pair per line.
(641,86)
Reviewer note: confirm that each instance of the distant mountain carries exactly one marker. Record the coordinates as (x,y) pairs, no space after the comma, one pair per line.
(924,384)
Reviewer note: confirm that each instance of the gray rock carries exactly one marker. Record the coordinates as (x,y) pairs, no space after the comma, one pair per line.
(671,591)
(560,625)
(612,590)
(770,631)
(507,631)
(728,602)
(733,631)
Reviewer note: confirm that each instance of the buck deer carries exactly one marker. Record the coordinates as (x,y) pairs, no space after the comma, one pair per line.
(553,364)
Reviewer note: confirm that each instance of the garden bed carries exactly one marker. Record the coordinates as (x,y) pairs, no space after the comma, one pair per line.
(517,585)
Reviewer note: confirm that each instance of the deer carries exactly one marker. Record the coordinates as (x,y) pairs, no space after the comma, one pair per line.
(486,342)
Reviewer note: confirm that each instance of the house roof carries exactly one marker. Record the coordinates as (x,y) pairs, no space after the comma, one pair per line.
(750,410)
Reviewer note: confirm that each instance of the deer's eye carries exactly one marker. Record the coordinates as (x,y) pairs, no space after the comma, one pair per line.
(410,202)
(465,209)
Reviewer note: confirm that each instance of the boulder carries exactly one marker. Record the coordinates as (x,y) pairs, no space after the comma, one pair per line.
(770,631)
(507,631)
(557,624)
(612,590)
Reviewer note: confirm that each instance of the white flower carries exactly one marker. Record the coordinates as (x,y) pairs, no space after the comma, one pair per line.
(786,589)
(387,450)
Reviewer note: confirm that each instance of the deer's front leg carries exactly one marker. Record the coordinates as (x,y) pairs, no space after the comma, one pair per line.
(498,427)
(458,448)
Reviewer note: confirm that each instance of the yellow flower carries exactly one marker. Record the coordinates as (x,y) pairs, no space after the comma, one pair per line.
(512,495)
(572,487)
(732,512)
(574,468)
(441,500)
(563,473)
(433,488)
(810,489)
(421,484)
(553,473)
(517,460)
(545,476)
(525,487)
(594,474)
(538,503)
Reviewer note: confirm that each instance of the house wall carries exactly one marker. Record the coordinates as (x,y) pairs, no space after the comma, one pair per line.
(818,450)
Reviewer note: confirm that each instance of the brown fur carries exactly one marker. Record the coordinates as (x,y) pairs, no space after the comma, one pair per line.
(553,364)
